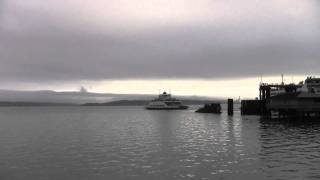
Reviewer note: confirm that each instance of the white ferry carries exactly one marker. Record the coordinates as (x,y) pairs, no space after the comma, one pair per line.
(165,102)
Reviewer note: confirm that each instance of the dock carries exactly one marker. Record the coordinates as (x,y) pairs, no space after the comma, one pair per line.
(286,100)
(296,104)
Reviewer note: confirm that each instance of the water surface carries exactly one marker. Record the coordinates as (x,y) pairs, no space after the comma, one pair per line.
(132,143)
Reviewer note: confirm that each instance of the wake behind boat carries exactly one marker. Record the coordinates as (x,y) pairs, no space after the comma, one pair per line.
(165,102)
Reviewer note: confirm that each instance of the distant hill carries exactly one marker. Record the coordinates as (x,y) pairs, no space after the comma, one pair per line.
(53,98)
(145,102)
(119,103)
(65,97)
(34,104)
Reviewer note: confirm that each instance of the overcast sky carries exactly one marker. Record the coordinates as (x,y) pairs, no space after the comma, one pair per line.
(67,41)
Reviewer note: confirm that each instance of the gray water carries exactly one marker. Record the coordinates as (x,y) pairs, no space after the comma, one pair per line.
(79,143)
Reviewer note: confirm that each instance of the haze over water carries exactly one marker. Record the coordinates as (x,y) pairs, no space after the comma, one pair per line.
(133,143)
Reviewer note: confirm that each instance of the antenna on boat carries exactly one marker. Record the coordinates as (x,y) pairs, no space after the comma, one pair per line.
(282,79)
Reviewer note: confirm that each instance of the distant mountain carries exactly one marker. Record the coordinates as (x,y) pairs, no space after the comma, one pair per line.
(16,104)
(145,102)
(120,103)
(64,97)
(11,97)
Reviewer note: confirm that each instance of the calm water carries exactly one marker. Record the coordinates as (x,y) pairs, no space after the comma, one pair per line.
(79,143)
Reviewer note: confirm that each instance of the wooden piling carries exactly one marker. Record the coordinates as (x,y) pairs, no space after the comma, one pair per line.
(230,107)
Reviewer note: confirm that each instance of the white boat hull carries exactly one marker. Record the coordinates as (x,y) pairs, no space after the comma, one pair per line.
(167,108)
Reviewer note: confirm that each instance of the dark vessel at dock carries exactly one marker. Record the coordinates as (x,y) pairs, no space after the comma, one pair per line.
(210,108)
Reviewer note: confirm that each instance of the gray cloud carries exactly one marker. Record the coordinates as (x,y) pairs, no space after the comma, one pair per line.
(37,45)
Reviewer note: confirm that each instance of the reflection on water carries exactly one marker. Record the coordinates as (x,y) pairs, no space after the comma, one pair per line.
(132,143)
(290,149)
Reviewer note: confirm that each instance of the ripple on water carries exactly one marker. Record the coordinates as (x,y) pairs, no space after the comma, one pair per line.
(104,142)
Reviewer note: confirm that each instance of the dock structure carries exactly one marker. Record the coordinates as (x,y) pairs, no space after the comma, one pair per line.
(267,91)
(286,100)
(295,104)
(252,107)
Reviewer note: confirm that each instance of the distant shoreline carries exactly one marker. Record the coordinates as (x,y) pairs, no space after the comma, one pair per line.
(145,102)
(24,104)
(112,103)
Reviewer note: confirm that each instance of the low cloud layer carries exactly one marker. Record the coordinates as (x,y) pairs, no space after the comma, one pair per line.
(43,41)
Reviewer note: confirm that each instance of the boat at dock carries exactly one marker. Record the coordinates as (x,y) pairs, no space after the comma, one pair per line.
(214,108)
(166,102)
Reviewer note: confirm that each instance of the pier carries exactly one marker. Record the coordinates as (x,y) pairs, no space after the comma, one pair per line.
(295,104)
(252,107)
(286,100)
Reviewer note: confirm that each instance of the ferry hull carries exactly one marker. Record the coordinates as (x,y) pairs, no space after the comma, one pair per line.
(167,108)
